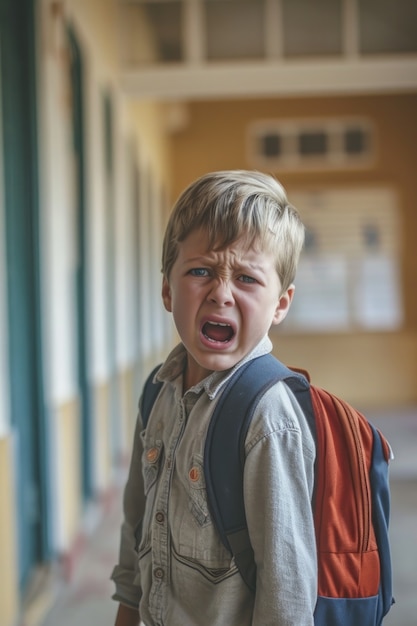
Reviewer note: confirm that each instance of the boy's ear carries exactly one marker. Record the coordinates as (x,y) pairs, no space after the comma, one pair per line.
(283,305)
(166,295)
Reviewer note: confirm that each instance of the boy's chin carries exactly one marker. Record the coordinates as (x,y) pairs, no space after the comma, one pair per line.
(218,362)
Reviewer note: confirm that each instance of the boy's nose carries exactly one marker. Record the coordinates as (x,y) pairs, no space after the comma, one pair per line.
(221,294)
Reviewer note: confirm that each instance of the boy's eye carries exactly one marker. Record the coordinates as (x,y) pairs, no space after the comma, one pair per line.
(247,279)
(199,271)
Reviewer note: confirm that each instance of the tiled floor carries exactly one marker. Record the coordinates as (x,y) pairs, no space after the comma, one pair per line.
(86,600)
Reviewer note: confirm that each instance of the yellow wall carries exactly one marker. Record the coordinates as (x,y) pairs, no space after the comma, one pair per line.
(148,122)
(8,553)
(101,404)
(371,371)
(68,470)
(97,21)
(215,138)
(129,396)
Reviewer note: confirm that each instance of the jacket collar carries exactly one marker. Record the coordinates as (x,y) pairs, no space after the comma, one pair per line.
(173,369)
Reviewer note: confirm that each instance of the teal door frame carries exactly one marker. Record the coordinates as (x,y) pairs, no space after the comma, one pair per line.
(77,83)
(111,293)
(21,197)
(136,183)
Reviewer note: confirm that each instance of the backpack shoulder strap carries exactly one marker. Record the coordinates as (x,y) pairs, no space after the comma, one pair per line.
(224,452)
(149,395)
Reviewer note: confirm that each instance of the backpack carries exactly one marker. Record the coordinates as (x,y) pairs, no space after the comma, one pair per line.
(351,501)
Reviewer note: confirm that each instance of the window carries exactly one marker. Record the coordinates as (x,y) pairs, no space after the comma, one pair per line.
(165,20)
(387,27)
(164,31)
(312,143)
(300,144)
(355,141)
(234,29)
(271,145)
(312,28)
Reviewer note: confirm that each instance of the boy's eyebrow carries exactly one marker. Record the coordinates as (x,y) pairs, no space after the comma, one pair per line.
(242,263)
(195,258)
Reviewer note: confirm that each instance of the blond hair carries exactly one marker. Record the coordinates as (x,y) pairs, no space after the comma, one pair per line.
(233,204)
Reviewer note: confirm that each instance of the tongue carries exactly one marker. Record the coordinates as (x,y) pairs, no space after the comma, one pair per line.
(217,333)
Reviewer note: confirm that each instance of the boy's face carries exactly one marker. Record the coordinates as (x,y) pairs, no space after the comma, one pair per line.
(223,302)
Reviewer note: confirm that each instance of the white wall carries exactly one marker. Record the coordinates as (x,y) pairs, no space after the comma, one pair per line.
(57,214)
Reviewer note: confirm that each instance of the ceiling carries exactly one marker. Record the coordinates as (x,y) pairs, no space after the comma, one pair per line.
(185,49)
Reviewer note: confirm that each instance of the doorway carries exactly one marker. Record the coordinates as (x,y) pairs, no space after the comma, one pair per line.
(78,104)
(20,154)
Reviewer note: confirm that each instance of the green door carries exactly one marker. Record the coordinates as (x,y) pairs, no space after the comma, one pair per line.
(18,108)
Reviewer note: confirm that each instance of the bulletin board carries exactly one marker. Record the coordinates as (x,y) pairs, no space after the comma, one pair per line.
(349,271)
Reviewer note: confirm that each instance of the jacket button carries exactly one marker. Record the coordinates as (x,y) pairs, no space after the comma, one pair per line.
(194,474)
(159,573)
(152,455)
(160,517)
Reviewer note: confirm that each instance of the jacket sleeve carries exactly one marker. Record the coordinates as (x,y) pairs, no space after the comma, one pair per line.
(278,484)
(125,575)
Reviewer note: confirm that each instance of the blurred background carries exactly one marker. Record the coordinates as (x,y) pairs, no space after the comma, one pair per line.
(109,108)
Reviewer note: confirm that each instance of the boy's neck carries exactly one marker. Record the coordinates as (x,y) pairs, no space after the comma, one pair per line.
(194,374)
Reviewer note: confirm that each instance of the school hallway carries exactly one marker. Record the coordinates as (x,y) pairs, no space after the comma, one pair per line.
(86,599)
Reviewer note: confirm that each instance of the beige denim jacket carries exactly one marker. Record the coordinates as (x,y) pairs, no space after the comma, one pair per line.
(172,563)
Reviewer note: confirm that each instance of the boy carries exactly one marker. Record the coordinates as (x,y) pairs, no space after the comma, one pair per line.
(230,254)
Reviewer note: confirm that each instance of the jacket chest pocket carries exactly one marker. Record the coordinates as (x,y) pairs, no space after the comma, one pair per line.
(196,540)
(152,461)
(196,487)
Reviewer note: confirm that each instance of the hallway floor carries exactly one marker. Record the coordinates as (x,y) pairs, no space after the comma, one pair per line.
(86,599)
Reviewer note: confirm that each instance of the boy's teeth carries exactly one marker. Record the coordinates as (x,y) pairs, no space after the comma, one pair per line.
(217,331)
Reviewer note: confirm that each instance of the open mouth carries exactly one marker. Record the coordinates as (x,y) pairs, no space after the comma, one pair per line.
(218,332)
